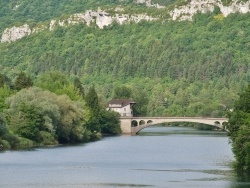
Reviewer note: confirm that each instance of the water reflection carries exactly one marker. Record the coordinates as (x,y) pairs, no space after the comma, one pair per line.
(161,131)
(241,179)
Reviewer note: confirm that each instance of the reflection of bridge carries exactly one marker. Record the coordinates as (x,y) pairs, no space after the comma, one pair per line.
(132,125)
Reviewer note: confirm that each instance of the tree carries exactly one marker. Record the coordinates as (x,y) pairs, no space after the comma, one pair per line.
(92,101)
(78,86)
(52,81)
(3,126)
(141,99)
(5,92)
(122,92)
(101,120)
(110,123)
(4,80)
(239,130)
(22,81)
(45,117)
(57,82)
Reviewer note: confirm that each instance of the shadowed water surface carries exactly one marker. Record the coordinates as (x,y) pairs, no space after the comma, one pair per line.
(173,157)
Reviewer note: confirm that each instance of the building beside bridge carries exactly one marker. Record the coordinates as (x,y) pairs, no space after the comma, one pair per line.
(122,106)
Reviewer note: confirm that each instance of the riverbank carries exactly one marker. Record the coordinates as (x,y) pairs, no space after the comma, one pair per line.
(23,143)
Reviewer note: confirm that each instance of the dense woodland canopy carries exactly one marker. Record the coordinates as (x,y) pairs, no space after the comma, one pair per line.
(170,68)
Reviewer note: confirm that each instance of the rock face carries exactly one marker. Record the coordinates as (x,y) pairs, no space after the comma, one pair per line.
(99,17)
(102,18)
(15,33)
(188,11)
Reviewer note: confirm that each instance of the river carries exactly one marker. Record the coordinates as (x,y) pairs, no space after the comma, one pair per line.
(173,157)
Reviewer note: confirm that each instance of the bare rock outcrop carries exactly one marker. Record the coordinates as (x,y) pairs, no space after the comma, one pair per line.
(186,12)
(15,33)
(100,18)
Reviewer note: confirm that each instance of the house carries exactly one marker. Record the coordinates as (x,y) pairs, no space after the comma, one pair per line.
(122,106)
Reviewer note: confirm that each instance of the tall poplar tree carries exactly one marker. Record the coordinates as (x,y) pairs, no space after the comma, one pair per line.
(92,102)
(78,86)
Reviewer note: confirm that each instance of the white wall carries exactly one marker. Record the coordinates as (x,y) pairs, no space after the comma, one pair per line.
(124,111)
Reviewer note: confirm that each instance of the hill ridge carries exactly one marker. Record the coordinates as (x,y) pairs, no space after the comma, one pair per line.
(103,18)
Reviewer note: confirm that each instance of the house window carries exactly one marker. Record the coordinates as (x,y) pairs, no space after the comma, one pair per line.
(124,109)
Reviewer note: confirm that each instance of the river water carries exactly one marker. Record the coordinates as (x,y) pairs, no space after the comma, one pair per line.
(173,157)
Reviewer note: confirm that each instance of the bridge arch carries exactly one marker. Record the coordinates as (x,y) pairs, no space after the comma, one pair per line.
(142,122)
(134,123)
(150,121)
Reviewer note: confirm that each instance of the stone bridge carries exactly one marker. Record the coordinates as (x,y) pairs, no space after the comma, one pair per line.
(132,125)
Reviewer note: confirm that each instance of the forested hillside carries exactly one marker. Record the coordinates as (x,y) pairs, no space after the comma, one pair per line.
(173,68)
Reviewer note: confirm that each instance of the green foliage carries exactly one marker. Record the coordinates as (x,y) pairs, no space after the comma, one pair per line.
(26,143)
(4,145)
(3,126)
(141,98)
(37,117)
(7,139)
(239,129)
(5,92)
(217,10)
(164,2)
(52,81)
(4,80)
(58,83)
(29,121)
(44,117)
(22,81)
(92,101)
(227,2)
(12,140)
(110,123)
(78,86)
(100,121)
(122,92)
(70,126)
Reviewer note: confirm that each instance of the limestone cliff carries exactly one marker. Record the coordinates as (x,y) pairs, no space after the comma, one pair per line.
(15,33)
(100,18)
(187,12)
